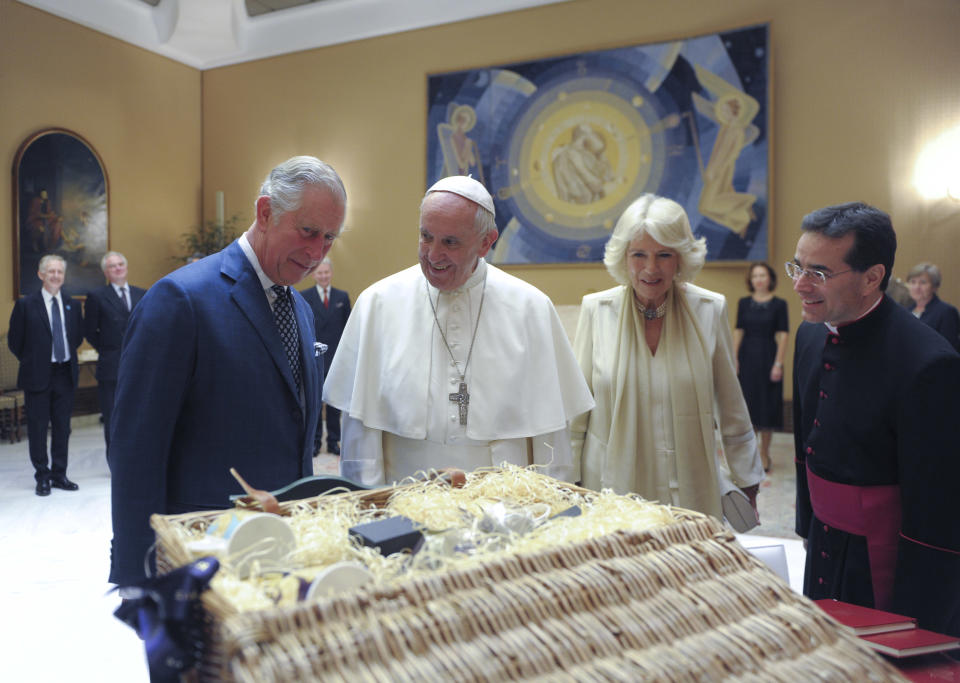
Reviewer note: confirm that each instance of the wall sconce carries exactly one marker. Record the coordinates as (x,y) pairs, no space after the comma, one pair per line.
(937,173)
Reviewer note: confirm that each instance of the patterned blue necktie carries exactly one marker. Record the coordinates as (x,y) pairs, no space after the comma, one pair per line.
(56,326)
(289,333)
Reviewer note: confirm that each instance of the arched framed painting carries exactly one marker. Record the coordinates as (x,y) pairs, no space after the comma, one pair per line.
(60,200)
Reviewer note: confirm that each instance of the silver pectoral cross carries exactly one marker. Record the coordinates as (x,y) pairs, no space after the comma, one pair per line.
(462,399)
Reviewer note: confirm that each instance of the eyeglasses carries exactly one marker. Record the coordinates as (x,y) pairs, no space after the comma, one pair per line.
(795,272)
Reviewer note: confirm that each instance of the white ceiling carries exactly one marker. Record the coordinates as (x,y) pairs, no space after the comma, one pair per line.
(211,33)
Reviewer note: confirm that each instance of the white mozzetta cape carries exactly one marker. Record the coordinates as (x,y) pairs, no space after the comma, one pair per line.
(523,378)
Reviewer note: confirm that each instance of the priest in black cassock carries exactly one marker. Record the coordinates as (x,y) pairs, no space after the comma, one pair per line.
(876,428)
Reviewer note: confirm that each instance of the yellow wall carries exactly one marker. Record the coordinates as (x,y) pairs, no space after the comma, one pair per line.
(140,111)
(858,87)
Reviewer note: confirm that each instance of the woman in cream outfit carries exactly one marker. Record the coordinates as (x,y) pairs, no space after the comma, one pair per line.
(657,354)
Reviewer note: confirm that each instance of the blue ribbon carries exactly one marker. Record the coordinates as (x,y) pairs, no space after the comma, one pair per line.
(167,615)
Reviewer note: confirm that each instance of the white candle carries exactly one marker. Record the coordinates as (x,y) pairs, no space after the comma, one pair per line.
(219,207)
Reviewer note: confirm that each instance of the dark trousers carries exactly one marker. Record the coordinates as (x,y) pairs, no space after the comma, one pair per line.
(333,425)
(105,392)
(333,421)
(51,406)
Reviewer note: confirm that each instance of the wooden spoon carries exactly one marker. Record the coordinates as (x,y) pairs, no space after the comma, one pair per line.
(266,500)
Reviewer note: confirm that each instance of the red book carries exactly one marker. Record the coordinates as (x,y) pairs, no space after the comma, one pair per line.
(918,641)
(936,667)
(865,620)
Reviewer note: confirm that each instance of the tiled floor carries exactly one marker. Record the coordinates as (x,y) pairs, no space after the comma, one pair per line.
(57,621)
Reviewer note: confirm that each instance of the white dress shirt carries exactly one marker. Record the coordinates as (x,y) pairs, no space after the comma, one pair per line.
(47,298)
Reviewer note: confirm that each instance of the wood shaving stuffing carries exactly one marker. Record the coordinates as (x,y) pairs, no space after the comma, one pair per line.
(322,530)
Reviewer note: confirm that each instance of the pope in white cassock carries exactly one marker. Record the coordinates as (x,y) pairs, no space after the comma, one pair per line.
(454,363)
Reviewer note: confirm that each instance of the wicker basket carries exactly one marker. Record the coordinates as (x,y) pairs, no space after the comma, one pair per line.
(682,602)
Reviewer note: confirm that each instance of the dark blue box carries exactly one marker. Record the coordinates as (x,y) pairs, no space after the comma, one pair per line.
(391,535)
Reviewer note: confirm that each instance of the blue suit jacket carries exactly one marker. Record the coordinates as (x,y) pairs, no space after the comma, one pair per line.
(204,386)
(331,320)
(105,320)
(31,340)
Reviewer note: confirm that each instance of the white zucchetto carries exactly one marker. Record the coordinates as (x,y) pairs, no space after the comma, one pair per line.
(467,187)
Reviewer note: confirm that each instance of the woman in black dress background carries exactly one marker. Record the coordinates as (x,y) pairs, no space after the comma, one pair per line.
(759,344)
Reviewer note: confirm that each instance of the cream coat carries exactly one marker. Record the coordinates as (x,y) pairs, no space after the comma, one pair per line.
(702,474)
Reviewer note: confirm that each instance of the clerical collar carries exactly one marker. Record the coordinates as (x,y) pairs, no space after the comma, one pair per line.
(835,329)
(476,277)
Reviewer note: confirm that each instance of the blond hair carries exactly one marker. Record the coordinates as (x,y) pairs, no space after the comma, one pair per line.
(667,223)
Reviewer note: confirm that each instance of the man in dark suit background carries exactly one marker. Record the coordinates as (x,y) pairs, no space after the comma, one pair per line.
(105,318)
(331,308)
(218,367)
(45,330)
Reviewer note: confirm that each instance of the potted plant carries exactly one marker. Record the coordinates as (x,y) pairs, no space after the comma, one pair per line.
(208,238)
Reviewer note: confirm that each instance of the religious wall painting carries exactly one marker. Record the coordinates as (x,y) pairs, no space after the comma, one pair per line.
(60,206)
(565,144)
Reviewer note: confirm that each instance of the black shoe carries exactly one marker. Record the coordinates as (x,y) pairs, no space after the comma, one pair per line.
(43,487)
(333,449)
(63,483)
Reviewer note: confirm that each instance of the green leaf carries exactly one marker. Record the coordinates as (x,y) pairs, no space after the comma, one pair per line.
(208,238)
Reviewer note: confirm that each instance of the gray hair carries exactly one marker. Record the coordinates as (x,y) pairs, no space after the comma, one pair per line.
(326,260)
(47,258)
(483,220)
(667,223)
(928,269)
(103,261)
(285,183)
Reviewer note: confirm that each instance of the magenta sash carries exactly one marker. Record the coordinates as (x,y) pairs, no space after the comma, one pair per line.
(869,511)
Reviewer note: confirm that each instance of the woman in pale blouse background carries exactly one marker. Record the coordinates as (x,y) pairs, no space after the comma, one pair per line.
(657,354)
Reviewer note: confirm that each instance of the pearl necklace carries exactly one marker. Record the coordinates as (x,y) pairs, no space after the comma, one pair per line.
(651,313)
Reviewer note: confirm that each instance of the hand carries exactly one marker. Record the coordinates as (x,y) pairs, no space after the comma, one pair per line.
(776,373)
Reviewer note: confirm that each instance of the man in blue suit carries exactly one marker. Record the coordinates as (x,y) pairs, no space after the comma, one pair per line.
(218,368)
(105,317)
(331,308)
(45,330)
